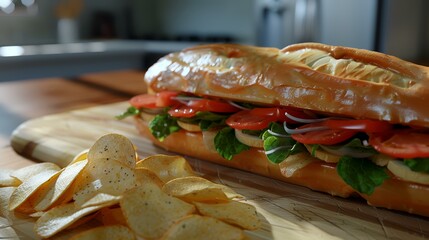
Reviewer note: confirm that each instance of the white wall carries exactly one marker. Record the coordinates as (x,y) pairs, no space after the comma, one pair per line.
(23,29)
(200,17)
(169,17)
(348,23)
(404,33)
(342,22)
(118,8)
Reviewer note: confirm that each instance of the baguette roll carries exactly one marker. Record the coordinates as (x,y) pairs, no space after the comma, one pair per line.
(363,107)
(337,80)
(318,175)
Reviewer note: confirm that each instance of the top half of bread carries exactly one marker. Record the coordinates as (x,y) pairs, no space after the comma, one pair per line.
(330,79)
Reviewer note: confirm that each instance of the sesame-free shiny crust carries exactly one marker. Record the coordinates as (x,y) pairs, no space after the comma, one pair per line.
(335,80)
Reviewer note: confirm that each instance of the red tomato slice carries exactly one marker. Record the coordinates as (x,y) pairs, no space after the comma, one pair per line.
(143,100)
(325,137)
(401,143)
(212,106)
(195,106)
(247,120)
(161,99)
(266,112)
(166,98)
(366,125)
(182,112)
(260,118)
(280,113)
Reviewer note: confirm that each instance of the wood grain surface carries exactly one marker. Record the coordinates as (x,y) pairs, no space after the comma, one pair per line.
(288,211)
(28,99)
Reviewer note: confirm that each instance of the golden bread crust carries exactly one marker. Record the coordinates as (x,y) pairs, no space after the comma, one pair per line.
(336,80)
(319,175)
(328,79)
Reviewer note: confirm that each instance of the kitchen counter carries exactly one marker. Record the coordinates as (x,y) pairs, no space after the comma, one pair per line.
(24,100)
(57,109)
(72,59)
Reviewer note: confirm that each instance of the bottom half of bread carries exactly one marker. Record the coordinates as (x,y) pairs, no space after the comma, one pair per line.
(318,175)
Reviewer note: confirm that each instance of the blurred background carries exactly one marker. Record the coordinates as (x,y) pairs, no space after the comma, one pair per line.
(43,38)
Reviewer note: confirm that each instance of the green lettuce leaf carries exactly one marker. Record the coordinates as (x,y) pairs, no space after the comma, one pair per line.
(163,125)
(418,164)
(354,146)
(361,174)
(246,105)
(227,145)
(256,133)
(284,146)
(131,111)
(314,148)
(207,120)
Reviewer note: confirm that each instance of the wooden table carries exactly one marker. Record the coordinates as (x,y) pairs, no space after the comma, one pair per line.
(24,100)
(288,210)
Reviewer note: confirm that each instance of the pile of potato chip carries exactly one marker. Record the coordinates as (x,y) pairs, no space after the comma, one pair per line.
(112,195)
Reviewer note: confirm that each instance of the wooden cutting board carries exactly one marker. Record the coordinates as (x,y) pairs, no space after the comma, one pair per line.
(288,211)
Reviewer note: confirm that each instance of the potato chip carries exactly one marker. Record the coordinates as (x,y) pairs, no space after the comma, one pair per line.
(129,198)
(233,212)
(53,191)
(11,218)
(36,214)
(116,232)
(230,193)
(191,194)
(80,156)
(201,227)
(29,187)
(150,212)
(144,175)
(6,180)
(102,199)
(5,193)
(61,217)
(167,167)
(26,172)
(81,225)
(103,176)
(198,189)
(112,216)
(83,221)
(114,147)
(20,229)
(6,230)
